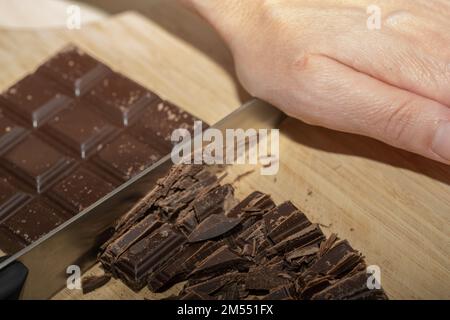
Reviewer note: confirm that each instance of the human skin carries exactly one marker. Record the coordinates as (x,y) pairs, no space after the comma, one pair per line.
(318,61)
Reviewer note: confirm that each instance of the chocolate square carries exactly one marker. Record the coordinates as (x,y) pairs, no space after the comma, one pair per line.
(10,132)
(11,197)
(80,189)
(75,69)
(36,162)
(157,123)
(120,98)
(34,220)
(36,99)
(125,157)
(81,128)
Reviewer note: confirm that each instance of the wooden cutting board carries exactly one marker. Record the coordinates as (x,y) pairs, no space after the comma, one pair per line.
(392,206)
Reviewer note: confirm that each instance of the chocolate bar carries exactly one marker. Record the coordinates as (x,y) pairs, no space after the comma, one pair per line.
(70,133)
(225,249)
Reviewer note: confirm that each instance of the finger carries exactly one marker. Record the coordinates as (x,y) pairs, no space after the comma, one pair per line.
(325,92)
(395,61)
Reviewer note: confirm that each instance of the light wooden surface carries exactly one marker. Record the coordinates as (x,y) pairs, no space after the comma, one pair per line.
(391,205)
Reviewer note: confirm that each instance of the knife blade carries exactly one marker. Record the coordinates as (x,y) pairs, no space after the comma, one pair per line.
(76,241)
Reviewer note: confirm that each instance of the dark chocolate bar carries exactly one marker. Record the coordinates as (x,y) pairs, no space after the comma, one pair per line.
(70,133)
(249,250)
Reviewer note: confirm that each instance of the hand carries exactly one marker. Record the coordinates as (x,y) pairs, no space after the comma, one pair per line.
(318,61)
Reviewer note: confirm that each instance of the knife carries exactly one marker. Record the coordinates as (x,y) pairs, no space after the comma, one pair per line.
(76,241)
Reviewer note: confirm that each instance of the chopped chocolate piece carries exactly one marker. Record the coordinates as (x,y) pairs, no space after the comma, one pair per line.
(213,226)
(81,129)
(211,286)
(122,99)
(10,133)
(282,293)
(147,255)
(80,189)
(92,283)
(187,222)
(293,223)
(34,220)
(314,286)
(192,295)
(255,203)
(306,237)
(325,263)
(74,69)
(302,252)
(217,201)
(173,268)
(125,157)
(262,278)
(352,287)
(278,215)
(222,259)
(36,162)
(207,249)
(35,99)
(326,245)
(146,226)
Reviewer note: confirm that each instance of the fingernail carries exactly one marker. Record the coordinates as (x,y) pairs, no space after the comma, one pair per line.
(441,141)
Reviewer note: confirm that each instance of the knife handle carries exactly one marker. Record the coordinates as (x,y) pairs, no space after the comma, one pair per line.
(12,279)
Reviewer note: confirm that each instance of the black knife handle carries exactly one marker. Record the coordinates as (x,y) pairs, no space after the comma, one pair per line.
(12,279)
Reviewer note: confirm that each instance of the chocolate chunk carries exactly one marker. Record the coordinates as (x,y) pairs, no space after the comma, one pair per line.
(187,222)
(34,220)
(262,278)
(125,241)
(173,269)
(315,285)
(255,203)
(302,252)
(74,69)
(282,293)
(222,259)
(219,200)
(35,99)
(81,129)
(331,258)
(277,215)
(213,226)
(36,162)
(92,283)
(80,189)
(293,223)
(211,286)
(125,157)
(306,237)
(147,255)
(120,98)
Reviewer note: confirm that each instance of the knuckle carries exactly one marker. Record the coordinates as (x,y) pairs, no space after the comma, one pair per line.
(398,120)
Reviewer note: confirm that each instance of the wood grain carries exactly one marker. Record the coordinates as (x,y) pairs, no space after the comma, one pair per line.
(392,205)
